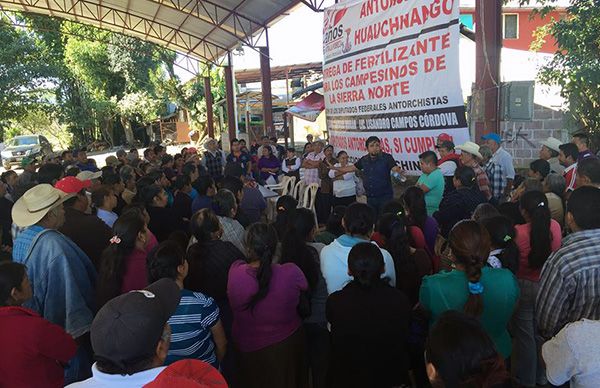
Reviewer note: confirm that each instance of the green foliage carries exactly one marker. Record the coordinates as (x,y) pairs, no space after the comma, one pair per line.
(92,82)
(37,121)
(576,65)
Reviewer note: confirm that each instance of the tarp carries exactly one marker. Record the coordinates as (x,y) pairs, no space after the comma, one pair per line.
(309,108)
(391,69)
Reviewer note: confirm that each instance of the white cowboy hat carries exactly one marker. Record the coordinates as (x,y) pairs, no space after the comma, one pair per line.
(208,141)
(552,143)
(88,175)
(470,148)
(36,203)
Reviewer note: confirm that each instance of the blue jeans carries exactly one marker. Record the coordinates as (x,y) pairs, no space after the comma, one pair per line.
(377,202)
(526,364)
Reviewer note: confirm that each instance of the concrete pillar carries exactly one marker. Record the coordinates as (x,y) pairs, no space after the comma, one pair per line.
(488,42)
(210,124)
(230,95)
(265,73)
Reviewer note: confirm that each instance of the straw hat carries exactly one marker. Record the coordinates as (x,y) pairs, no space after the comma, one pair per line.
(470,148)
(89,175)
(552,143)
(36,203)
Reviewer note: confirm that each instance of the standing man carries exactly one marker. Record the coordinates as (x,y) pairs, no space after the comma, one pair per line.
(470,157)
(588,173)
(493,172)
(266,142)
(502,158)
(82,161)
(29,175)
(549,152)
(569,282)
(448,163)
(312,162)
(61,274)
(431,181)
(568,158)
(376,167)
(582,141)
(214,159)
(238,160)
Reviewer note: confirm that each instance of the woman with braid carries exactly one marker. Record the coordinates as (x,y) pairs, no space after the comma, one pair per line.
(267,328)
(489,294)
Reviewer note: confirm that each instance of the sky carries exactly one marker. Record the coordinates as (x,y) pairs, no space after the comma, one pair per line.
(295,39)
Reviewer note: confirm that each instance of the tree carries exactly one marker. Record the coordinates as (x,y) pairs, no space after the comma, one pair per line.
(575,67)
(138,106)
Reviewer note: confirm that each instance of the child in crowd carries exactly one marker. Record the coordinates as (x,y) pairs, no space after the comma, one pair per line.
(34,351)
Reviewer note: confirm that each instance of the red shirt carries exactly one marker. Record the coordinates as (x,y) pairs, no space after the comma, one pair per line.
(33,350)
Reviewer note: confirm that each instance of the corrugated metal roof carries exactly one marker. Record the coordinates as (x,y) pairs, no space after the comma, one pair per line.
(204,29)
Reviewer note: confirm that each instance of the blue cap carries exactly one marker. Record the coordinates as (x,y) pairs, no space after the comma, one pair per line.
(492,136)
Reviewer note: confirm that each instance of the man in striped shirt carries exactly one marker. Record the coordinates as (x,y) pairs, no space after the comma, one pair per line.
(196,330)
(570,278)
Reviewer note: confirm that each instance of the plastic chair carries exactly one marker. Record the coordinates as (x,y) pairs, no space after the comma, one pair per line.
(309,199)
(288,185)
(278,186)
(298,192)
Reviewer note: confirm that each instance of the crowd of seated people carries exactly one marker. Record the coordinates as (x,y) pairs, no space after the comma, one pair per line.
(159,269)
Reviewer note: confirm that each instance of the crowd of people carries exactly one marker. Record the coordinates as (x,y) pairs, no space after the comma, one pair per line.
(158,270)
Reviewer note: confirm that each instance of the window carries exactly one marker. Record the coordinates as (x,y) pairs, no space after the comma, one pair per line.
(510,26)
(467,20)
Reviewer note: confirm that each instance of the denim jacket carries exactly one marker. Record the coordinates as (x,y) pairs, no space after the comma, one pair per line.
(62,278)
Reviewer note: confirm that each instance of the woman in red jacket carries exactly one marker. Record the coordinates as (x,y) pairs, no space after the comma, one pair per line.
(34,351)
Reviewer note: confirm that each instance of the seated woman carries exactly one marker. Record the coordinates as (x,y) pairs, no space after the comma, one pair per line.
(269,166)
(459,353)
(369,325)
(415,210)
(459,204)
(209,260)
(34,351)
(411,264)
(504,251)
(554,188)
(489,294)
(163,220)
(123,262)
(196,330)
(267,329)
(225,207)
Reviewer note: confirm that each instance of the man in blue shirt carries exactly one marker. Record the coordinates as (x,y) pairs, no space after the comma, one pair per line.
(376,167)
(61,274)
(502,158)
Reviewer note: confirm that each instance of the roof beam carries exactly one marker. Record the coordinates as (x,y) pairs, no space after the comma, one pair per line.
(117,20)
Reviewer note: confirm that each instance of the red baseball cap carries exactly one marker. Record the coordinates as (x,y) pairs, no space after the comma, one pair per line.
(444,137)
(192,150)
(72,185)
(188,373)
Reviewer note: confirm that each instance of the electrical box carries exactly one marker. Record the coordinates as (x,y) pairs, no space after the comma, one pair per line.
(516,100)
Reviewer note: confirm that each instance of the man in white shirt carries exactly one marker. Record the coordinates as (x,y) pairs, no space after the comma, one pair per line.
(131,337)
(502,158)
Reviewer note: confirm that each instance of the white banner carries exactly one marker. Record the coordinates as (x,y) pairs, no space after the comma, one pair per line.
(390,69)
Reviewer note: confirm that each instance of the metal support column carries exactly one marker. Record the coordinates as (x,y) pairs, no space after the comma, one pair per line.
(210,124)
(230,95)
(488,42)
(265,75)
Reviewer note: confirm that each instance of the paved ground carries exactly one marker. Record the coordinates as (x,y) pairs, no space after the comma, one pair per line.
(100,157)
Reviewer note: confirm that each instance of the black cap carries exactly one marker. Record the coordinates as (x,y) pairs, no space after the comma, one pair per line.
(128,327)
(447,144)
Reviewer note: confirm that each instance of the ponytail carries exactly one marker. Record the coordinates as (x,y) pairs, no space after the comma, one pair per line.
(365,263)
(502,236)
(261,242)
(112,263)
(470,244)
(294,248)
(535,205)
(393,228)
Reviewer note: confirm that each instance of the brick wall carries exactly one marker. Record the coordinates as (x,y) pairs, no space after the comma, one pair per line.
(522,138)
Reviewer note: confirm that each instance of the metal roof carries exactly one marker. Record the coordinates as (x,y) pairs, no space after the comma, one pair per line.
(246,76)
(203,29)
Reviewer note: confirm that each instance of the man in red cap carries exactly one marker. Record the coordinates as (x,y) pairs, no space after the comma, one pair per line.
(87,231)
